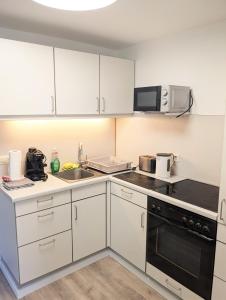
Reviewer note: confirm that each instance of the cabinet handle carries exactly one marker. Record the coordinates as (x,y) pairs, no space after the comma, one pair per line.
(76,212)
(104,104)
(128,193)
(171,286)
(46,215)
(43,201)
(47,244)
(53,104)
(221,211)
(98,104)
(142,220)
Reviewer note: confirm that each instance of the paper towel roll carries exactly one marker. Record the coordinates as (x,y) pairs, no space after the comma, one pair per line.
(15,171)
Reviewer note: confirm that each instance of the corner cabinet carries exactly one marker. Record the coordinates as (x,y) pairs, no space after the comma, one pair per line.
(128,227)
(27,79)
(77,82)
(116,85)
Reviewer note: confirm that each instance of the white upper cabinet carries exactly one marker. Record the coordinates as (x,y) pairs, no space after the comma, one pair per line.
(116,85)
(77,82)
(26,79)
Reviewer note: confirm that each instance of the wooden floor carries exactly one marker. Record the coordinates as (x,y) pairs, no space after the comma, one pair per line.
(105,279)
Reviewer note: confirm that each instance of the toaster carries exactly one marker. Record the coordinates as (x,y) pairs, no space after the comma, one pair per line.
(147,163)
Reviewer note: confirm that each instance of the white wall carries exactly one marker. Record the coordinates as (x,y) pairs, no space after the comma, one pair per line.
(196,139)
(97,135)
(196,58)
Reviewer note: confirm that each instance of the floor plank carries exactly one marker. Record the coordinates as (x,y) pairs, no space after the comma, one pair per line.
(105,279)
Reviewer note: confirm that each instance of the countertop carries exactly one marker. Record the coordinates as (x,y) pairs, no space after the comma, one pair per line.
(54,185)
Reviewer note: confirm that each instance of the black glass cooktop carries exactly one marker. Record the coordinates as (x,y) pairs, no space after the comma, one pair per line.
(190,191)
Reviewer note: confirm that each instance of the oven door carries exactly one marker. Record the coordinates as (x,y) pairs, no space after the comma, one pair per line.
(147,98)
(184,255)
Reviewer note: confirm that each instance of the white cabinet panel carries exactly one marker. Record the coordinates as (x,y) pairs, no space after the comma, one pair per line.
(89,226)
(45,256)
(26,79)
(116,85)
(42,224)
(88,191)
(129,194)
(128,231)
(40,203)
(220,268)
(219,289)
(222,197)
(77,82)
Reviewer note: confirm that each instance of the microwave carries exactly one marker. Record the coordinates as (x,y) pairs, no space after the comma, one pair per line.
(163,99)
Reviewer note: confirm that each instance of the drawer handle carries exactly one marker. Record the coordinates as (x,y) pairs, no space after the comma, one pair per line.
(142,220)
(171,286)
(51,214)
(43,201)
(128,193)
(47,244)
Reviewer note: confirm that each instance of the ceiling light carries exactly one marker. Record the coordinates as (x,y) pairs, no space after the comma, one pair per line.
(76,5)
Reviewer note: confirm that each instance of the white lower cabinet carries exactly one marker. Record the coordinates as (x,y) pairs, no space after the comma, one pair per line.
(128,231)
(219,289)
(45,256)
(89,226)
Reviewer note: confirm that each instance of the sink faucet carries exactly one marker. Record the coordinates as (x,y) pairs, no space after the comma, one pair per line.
(80,153)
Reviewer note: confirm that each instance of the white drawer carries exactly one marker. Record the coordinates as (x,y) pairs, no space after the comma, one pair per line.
(175,287)
(219,289)
(220,267)
(221,233)
(88,191)
(39,225)
(129,194)
(45,256)
(40,203)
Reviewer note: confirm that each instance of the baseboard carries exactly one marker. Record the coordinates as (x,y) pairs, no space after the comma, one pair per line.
(22,291)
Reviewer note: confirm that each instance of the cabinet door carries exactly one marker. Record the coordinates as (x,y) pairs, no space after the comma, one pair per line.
(116,85)
(26,79)
(128,231)
(89,226)
(222,197)
(77,82)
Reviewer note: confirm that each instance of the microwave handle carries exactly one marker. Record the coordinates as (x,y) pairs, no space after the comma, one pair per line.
(199,235)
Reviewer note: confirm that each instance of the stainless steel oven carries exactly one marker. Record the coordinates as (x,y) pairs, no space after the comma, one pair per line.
(182,245)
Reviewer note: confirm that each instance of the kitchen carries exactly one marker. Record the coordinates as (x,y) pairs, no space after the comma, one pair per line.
(45,116)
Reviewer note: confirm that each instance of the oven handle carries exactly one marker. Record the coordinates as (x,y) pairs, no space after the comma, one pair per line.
(201,236)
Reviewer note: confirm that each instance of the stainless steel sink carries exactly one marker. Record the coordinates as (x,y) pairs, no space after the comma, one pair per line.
(74,175)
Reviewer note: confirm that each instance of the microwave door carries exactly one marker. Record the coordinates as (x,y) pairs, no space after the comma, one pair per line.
(147,98)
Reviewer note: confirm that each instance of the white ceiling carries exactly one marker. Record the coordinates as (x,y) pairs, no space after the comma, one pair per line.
(120,25)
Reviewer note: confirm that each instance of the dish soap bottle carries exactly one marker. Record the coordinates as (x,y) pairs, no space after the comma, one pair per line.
(55,162)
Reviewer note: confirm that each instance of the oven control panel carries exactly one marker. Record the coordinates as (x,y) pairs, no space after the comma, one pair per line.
(182,217)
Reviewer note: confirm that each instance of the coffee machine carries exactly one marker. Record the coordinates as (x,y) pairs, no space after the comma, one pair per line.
(34,165)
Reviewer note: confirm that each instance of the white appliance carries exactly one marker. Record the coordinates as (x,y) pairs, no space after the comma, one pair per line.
(164,162)
(163,98)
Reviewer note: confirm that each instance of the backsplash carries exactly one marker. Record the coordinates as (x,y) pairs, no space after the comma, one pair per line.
(97,136)
(197,140)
